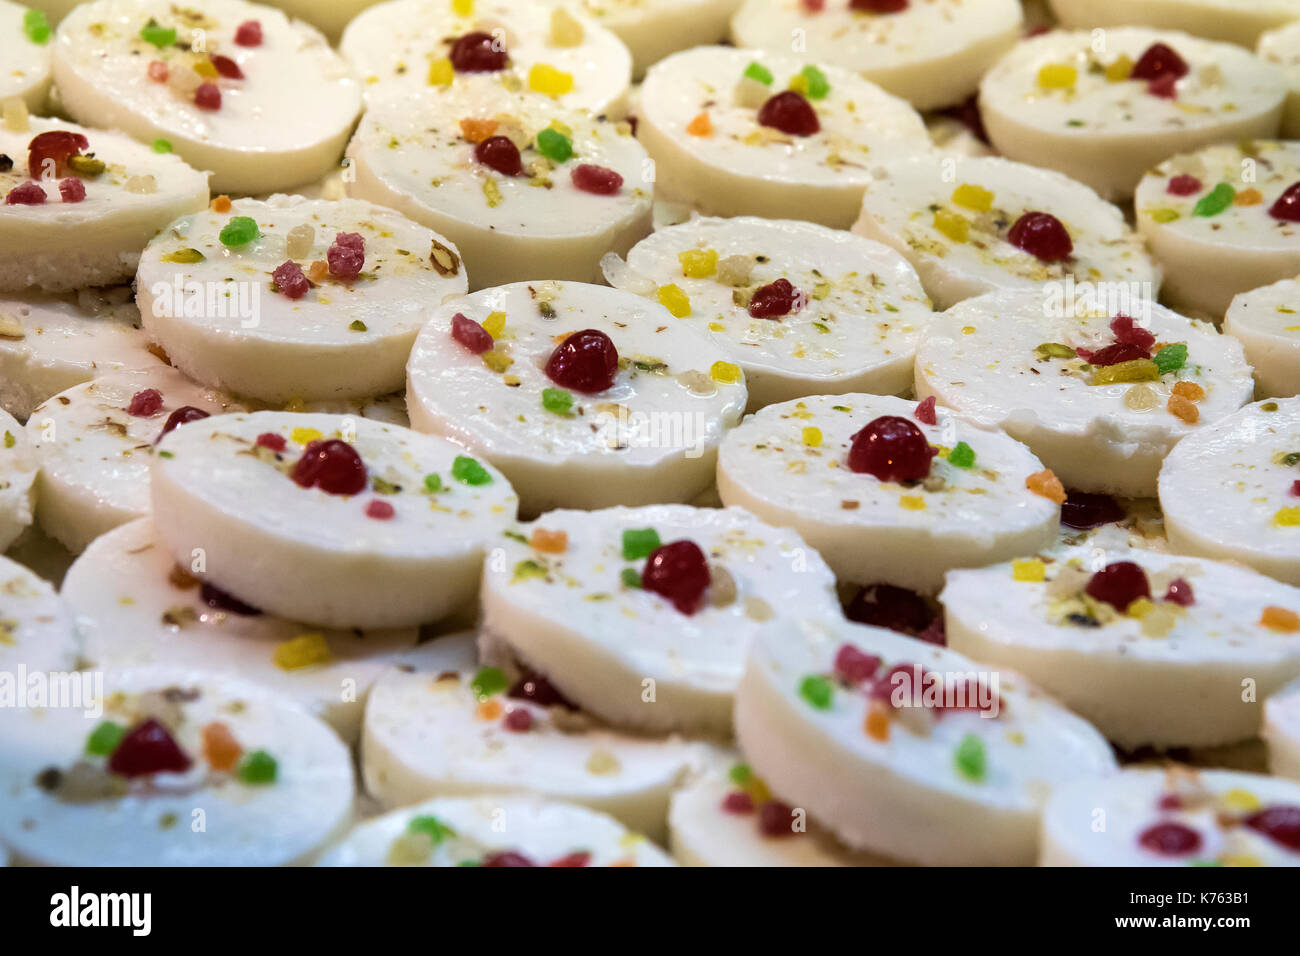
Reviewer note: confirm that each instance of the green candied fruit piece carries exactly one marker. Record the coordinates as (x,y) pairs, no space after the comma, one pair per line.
(817,691)
(757,71)
(468,471)
(970,758)
(1054,350)
(435,828)
(631,578)
(527,570)
(157,34)
(184,256)
(816,86)
(1215,201)
(740,773)
(36,27)
(259,767)
(103,740)
(1269,407)
(240,231)
(87,166)
(554,145)
(432,483)
(488,681)
(161,145)
(10,440)
(558,400)
(962,456)
(358,326)
(1171,358)
(639,542)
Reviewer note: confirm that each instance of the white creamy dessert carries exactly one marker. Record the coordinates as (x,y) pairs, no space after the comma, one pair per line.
(1265,322)
(38,632)
(295,298)
(905,748)
(1177,816)
(920,492)
(652,29)
(584,396)
(1236,21)
(25,42)
(236,88)
(730,138)
(977,225)
(1282,732)
(1100,396)
(802,309)
(1282,46)
(1105,110)
(643,616)
(328,16)
(18,467)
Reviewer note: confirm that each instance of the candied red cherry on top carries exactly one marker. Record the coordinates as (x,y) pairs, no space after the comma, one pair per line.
(208,96)
(1083,510)
(585,361)
(540,691)
(1183,185)
(500,153)
(878,6)
(478,52)
(1114,354)
(331,465)
(892,449)
(26,194)
(72,190)
(346,255)
(1280,823)
(775,300)
(249,33)
(290,281)
(776,819)
(182,416)
(470,334)
(227,67)
(48,153)
(1170,839)
(147,749)
(597,180)
(1287,206)
(1127,331)
(145,403)
(1119,584)
(853,666)
(1180,592)
(1041,235)
(507,858)
(680,572)
(1158,60)
(790,113)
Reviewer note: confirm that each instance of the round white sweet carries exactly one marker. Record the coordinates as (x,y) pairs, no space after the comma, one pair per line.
(951,218)
(37,631)
(651,437)
(1104,129)
(788,464)
(26,60)
(1282,46)
(429,733)
(541,831)
(1226,492)
(137,606)
(1212,250)
(652,29)
(282,123)
(412,153)
(18,466)
(570,614)
(95,818)
(59,246)
(861,308)
(951,788)
(393,48)
(1266,321)
(94,454)
(740,167)
(1282,732)
(931,54)
(224,322)
(1170,678)
(983,359)
(1212,803)
(1236,21)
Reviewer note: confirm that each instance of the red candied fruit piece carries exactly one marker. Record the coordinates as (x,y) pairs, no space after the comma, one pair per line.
(1119,584)
(1157,61)
(586,361)
(506,858)
(680,572)
(595,179)
(1170,801)
(249,33)
(1041,235)
(1278,823)
(145,403)
(1287,206)
(380,510)
(853,666)
(147,749)
(738,802)
(1170,839)
(884,686)
(892,607)
(813,6)
(227,67)
(1180,592)
(57,145)
(1295,489)
(925,413)
(540,691)
(220,600)
(350,240)
(208,96)
(1114,354)
(28,194)
(182,416)
(776,819)
(158,71)
(1129,332)
(272,441)
(72,190)
(775,300)
(892,449)
(1165,87)
(331,465)
(346,255)
(577,858)
(470,334)
(1083,510)
(790,113)
(290,280)
(500,153)
(878,6)
(519,720)
(1183,185)
(478,52)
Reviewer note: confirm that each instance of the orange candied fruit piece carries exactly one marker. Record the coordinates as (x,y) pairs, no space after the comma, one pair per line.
(700,126)
(1183,408)
(1189,390)
(318,270)
(1279,618)
(221,203)
(489,710)
(1249,197)
(220,748)
(477,130)
(876,725)
(549,542)
(1045,484)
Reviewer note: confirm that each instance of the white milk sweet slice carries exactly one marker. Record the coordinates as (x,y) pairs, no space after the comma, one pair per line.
(1099,395)
(630,412)
(328,16)
(1266,321)
(1222,221)
(1153,649)
(265,300)
(652,29)
(494,831)
(1229,492)
(1282,732)
(49,344)
(405,46)
(905,517)
(1236,21)
(238,89)
(525,188)
(1176,816)
(643,616)
(1104,108)
(82,219)
(905,748)
(94,450)
(329,519)
(802,309)
(137,606)
(18,466)
(170,767)
(37,631)
(459,729)
(25,41)
(730,139)
(1282,46)
(931,54)
(964,225)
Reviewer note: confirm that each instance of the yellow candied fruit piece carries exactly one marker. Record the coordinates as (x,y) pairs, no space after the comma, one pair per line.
(544,78)
(495,324)
(1248,197)
(302,436)
(1238,799)
(1057,76)
(672,298)
(911,502)
(970,196)
(952,224)
(717,327)
(1030,570)
(497,361)
(441,72)
(724,373)
(205,68)
(1138,370)
(463,8)
(1141,607)
(812,436)
(302,651)
(1280,618)
(1241,859)
(1287,517)
(1045,484)
(488,710)
(968,330)
(1165,215)
(1119,69)
(698,263)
